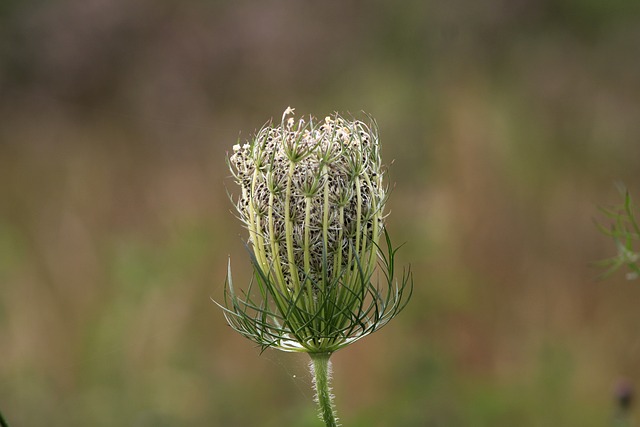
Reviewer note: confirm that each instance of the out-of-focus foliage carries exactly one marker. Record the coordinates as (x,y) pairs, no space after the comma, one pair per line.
(625,232)
(508,122)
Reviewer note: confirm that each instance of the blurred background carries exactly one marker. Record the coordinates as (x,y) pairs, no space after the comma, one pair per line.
(504,124)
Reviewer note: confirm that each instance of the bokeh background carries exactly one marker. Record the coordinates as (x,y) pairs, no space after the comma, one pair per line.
(504,123)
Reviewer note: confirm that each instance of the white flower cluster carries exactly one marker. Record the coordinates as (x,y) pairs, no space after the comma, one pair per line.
(312,198)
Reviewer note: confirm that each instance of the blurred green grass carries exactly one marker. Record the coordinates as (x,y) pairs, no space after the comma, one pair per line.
(504,123)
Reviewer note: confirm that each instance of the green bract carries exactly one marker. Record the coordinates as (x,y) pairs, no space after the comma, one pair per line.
(312,198)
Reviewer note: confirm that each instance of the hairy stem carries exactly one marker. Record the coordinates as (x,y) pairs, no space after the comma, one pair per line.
(321,371)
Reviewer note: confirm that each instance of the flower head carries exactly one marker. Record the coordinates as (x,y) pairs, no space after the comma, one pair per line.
(312,198)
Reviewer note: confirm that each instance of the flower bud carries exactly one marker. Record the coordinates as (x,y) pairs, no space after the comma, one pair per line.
(312,199)
(321,185)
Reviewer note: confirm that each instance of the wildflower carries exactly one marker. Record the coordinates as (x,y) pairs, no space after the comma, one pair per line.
(312,199)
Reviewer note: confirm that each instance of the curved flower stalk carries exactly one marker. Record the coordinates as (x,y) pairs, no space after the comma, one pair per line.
(625,231)
(312,199)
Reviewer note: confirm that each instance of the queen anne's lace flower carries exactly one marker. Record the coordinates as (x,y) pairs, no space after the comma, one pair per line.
(312,198)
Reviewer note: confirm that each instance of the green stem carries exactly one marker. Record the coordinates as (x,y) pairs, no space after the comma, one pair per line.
(321,370)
